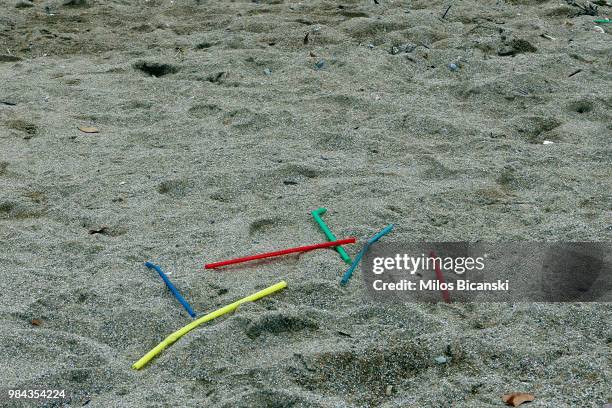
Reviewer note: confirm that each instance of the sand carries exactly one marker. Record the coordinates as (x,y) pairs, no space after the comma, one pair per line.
(221,125)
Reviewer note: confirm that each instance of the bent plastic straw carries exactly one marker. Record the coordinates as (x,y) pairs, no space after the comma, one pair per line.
(217,313)
(349,272)
(440,278)
(170,286)
(279,253)
(330,235)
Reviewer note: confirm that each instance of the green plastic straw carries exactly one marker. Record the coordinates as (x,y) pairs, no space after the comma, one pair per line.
(330,235)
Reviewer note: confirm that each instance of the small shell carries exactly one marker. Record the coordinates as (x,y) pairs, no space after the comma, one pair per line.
(441,360)
(88,129)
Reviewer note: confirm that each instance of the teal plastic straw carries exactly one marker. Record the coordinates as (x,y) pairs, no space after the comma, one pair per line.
(604,21)
(330,235)
(349,272)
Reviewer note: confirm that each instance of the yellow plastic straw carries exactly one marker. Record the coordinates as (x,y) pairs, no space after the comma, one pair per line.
(219,312)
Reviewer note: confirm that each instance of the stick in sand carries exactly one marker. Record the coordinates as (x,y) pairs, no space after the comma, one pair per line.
(170,286)
(446,12)
(211,316)
(279,253)
(330,235)
(349,272)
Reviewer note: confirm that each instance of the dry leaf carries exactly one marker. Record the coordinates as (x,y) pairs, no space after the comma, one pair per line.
(88,129)
(36,322)
(517,398)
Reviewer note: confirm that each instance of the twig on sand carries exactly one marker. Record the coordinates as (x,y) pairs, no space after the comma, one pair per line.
(446,12)
(574,73)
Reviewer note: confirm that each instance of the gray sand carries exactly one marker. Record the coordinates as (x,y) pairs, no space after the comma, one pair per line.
(237,138)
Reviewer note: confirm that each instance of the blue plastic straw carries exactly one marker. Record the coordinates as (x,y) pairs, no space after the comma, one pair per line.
(349,272)
(170,286)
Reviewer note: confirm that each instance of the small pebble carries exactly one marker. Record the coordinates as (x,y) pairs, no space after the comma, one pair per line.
(546,142)
(453,67)
(441,360)
(407,48)
(320,64)
(267,71)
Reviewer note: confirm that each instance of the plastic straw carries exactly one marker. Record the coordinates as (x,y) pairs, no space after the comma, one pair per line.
(440,278)
(330,235)
(279,253)
(170,286)
(217,313)
(349,272)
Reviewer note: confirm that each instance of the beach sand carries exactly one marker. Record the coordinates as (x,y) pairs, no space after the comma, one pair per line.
(221,125)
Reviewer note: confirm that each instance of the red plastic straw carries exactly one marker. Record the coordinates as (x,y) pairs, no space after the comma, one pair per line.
(440,277)
(282,252)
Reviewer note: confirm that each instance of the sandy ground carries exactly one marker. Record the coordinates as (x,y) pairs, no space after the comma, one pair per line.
(222,124)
